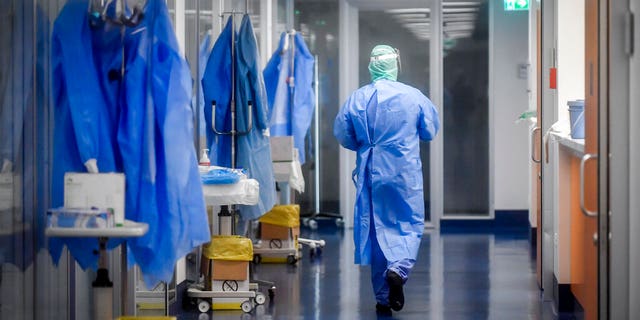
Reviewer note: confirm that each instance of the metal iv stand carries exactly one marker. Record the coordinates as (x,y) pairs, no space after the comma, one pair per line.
(226,216)
(311,220)
(228,213)
(315,246)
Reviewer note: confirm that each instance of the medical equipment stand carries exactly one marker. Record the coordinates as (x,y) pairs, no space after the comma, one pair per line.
(226,216)
(102,286)
(311,221)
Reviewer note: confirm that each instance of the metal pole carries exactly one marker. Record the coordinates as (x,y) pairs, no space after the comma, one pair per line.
(233,91)
(180,25)
(289,14)
(198,78)
(292,77)
(316,138)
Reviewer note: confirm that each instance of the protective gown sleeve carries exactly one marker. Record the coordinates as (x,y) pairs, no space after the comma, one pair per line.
(247,48)
(254,152)
(84,97)
(343,128)
(271,75)
(304,97)
(429,123)
(83,126)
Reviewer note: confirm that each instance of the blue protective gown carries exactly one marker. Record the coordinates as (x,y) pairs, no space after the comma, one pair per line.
(252,150)
(85,109)
(383,122)
(216,87)
(150,128)
(291,104)
(198,102)
(164,126)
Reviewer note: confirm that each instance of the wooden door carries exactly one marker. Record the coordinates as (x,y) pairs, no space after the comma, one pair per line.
(584,256)
(538,149)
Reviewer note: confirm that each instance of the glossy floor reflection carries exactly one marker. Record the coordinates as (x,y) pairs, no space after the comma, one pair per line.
(457,276)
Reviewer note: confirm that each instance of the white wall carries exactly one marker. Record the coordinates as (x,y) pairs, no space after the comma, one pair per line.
(509,98)
(533,105)
(570,54)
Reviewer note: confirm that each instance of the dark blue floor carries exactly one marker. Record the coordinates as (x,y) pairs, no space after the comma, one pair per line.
(457,276)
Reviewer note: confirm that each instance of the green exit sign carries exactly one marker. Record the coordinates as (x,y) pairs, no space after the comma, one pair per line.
(516,5)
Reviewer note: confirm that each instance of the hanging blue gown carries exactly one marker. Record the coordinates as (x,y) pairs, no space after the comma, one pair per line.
(291,117)
(85,110)
(150,130)
(198,102)
(253,149)
(216,87)
(170,172)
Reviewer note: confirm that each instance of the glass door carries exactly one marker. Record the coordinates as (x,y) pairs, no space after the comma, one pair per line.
(466,114)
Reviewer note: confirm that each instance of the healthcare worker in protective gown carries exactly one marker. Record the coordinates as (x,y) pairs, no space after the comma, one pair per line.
(383,122)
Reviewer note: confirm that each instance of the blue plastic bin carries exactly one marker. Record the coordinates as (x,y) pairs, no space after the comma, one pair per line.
(576,116)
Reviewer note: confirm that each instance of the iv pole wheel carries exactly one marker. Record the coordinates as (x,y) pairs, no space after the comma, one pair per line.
(291,260)
(313,224)
(246,306)
(257,258)
(260,298)
(203,305)
(339,223)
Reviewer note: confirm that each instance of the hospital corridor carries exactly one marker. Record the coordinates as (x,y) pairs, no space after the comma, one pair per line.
(319,159)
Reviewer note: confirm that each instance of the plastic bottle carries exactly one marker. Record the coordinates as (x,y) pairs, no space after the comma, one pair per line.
(204,164)
(204,160)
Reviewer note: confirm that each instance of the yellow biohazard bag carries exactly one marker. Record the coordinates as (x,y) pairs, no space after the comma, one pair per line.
(283,215)
(229,248)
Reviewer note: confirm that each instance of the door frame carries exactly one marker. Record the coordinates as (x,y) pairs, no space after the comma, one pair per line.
(623,171)
(603,157)
(349,52)
(633,227)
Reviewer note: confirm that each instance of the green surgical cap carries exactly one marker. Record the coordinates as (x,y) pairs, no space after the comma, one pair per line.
(383,63)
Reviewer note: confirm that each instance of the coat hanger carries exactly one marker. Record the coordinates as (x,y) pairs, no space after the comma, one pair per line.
(98,12)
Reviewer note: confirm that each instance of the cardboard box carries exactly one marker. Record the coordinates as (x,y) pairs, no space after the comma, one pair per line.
(272,231)
(223,270)
(230,270)
(281,148)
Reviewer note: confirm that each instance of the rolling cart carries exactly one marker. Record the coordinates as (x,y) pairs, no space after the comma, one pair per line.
(247,194)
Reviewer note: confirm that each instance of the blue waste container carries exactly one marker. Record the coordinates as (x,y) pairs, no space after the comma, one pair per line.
(576,116)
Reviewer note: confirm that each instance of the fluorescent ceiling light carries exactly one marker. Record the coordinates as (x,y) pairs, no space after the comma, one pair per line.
(460,4)
(410,20)
(459,10)
(409,10)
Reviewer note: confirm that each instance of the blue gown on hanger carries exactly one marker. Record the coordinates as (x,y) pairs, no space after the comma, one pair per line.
(85,109)
(253,151)
(167,153)
(291,117)
(216,86)
(150,130)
